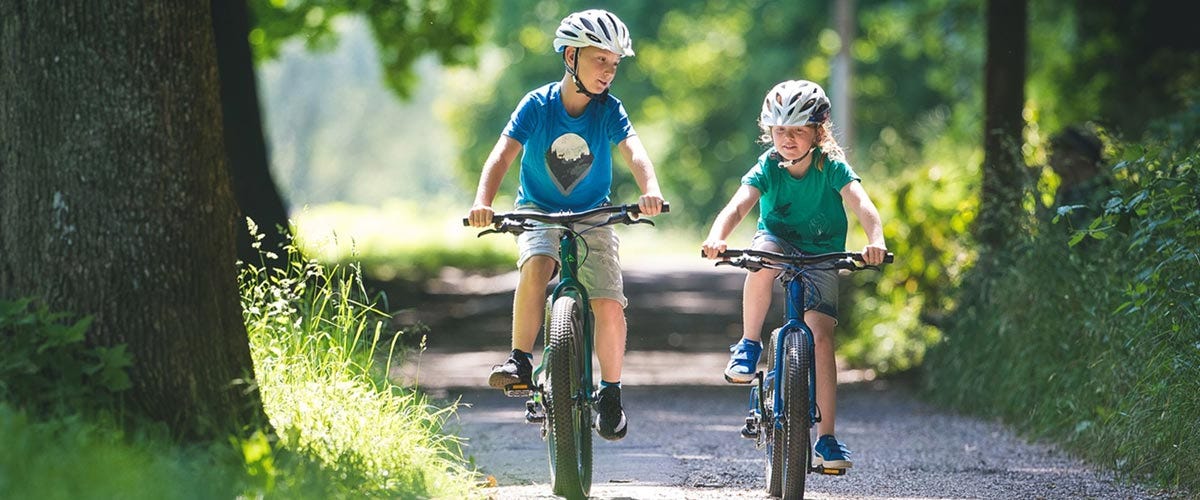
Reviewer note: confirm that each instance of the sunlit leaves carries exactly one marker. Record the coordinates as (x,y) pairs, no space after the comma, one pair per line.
(403,31)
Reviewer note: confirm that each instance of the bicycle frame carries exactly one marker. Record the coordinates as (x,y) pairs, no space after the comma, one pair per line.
(562,389)
(569,284)
(794,323)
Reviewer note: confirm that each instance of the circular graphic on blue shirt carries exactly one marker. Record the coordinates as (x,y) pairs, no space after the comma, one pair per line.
(569,161)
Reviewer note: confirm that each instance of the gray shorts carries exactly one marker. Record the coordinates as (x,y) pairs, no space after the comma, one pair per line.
(598,251)
(826,281)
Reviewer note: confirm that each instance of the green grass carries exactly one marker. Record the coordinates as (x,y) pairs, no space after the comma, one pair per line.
(321,353)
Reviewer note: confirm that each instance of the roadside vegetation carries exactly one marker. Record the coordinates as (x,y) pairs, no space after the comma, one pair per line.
(1090,335)
(321,354)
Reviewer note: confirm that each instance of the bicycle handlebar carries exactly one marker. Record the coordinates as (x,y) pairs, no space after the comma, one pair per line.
(801,260)
(567,217)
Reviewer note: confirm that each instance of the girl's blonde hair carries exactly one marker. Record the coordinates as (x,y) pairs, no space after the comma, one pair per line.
(824,139)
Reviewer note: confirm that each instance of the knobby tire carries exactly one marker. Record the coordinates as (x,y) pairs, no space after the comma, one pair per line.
(775,443)
(797,455)
(568,414)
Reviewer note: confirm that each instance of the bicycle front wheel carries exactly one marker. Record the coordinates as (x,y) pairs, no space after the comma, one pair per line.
(776,440)
(568,412)
(797,455)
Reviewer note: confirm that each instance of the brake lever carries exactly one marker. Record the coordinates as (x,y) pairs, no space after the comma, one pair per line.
(631,220)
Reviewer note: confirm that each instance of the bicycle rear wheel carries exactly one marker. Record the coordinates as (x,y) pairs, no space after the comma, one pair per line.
(568,414)
(797,455)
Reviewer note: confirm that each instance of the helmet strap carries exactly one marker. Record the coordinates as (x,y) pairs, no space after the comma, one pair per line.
(785,163)
(573,70)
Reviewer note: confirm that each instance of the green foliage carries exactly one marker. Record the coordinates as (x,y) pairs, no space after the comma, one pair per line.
(71,457)
(344,431)
(48,368)
(315,337)
(1095,344)
(403,30)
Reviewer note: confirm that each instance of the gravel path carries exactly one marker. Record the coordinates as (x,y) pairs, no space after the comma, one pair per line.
(684,443)
(684,420)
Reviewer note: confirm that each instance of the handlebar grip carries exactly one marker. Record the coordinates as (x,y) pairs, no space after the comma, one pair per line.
(887,259)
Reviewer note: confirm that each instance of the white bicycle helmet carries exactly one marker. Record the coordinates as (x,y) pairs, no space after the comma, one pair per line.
(795,103)
(594,28)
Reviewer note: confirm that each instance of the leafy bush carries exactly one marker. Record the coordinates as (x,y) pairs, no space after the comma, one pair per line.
(344,431)
(48,368)
(1095,344)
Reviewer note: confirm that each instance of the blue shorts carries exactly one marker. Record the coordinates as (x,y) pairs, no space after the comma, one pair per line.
(825,281)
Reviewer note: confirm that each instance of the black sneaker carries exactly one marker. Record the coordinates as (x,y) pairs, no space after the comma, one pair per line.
(515,376)
(610,421)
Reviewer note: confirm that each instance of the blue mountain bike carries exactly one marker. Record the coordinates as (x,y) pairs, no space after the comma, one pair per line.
(783,401)
(563,393)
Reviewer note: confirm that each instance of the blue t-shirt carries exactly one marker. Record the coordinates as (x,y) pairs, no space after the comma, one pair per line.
(567,161)
(806,212)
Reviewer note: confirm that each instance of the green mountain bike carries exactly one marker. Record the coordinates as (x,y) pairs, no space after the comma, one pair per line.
(563,393)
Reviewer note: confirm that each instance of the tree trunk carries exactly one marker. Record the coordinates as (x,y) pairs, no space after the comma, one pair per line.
(115,199)
(253,188)
(842,78)
(1004,96)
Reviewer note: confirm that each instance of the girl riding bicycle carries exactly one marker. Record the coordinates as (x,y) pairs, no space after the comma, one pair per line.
(565,130)
(803,187)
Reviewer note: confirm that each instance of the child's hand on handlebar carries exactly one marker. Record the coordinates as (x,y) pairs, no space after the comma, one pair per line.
(712,248)
(873,255)
(650,204)
(480,216)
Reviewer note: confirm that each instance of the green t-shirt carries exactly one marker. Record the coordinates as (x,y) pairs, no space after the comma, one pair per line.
(806,212)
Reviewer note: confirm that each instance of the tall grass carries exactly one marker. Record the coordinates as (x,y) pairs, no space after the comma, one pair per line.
(321,352)
(1096,345)
(322,370)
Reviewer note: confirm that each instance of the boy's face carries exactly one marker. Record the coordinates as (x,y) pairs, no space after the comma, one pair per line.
(793,142)
(597,68)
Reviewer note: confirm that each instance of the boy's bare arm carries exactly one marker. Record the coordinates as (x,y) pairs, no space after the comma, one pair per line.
(494,168)
(643,173)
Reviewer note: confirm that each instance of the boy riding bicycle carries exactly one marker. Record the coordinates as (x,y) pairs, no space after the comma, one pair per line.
(803,187)
(564,131)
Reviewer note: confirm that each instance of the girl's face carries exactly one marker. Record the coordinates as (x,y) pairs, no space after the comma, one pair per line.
(597,68)
(793,142)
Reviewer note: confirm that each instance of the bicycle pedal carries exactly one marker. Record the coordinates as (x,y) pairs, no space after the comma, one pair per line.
(534,413)
(518,390)
(750,430)
(738,382)
(832,472)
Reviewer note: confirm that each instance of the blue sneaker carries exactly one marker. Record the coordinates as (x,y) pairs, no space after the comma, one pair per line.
(831,453)
(743,363)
